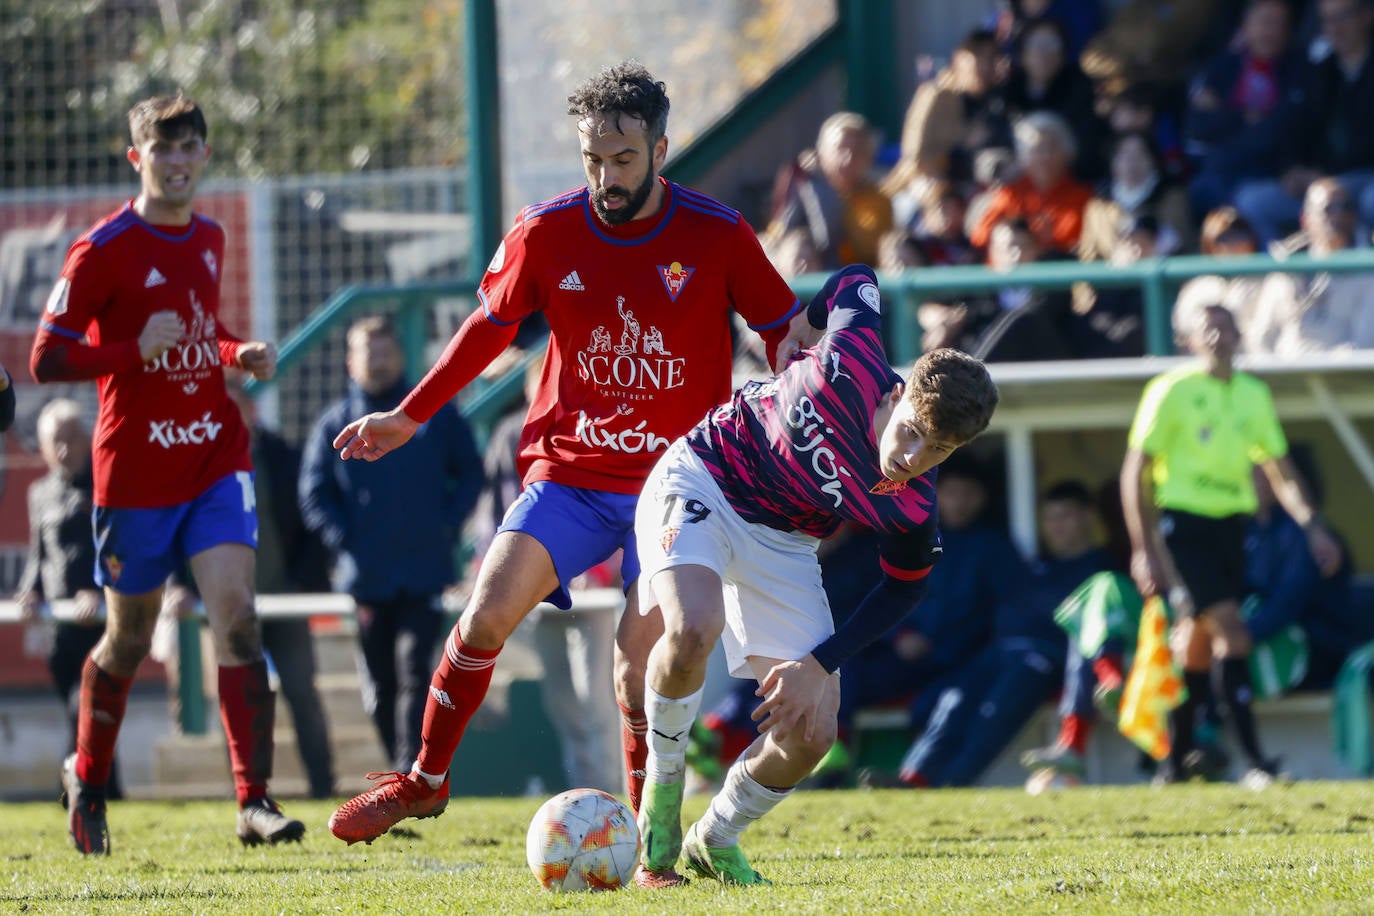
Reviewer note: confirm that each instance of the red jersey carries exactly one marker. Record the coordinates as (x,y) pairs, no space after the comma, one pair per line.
(166,429)
(639,319)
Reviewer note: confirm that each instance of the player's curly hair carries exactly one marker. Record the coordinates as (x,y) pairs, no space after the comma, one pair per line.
(627,88)
(953,394)
(165,116)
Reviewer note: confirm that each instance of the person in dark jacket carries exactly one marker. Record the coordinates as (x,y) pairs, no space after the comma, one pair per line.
(6,400)
(394,526)
(983,706)
(61,559)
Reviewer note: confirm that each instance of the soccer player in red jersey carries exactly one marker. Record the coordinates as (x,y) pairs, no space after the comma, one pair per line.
(136,309)
(636,276)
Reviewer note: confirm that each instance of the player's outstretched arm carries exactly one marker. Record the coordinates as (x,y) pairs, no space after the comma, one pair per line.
(372,436)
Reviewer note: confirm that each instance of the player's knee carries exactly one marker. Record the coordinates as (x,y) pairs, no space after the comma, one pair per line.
(629,680)
(238,641)
(484,628)
(690,646)
(128,647)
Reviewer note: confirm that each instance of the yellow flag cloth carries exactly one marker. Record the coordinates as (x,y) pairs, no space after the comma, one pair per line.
(1154,686)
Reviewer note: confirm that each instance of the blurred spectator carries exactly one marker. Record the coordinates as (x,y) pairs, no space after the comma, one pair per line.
(793,252)
(1225,233)
(981,707)
(1136,108)
(7,399)
(950,119)
(290,560)
(1330,135)
(830,192)
(1110,322)
(1044,77)
(898,251)
(936,240)
(1081,20)
(61,559)
(1243,104)
(1310,313)
(1045,195)
(394,524)
(575,645)
(1148,41)
(1137,187)
(1014,323)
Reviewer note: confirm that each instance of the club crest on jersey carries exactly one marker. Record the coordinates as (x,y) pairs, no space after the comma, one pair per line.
(675,277)
(211,262)
(114,566)
(887,487)
(668,537)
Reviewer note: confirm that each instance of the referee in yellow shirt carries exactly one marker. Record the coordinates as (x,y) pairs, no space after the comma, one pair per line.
(1187,493)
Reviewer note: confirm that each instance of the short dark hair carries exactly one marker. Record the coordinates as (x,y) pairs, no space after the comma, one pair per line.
(978,40)
(167,117)
(370,326)
(1069,491)
(629,89)
(952,394)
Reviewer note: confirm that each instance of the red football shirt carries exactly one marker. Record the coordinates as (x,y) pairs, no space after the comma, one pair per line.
(166,429)
(639,317)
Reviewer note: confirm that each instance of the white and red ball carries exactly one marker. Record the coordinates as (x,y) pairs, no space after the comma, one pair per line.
(583,839)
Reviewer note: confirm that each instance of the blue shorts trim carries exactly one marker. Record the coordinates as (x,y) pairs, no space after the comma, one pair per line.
(579,528)
(137,549)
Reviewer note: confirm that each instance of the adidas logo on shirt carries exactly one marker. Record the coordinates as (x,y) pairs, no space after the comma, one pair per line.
(155,278)
(572,281)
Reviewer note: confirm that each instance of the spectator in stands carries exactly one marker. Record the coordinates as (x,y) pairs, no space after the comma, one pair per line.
(830,192)
(1312,313)
(574,645)
(1045,78)
(1186,492)
(1330,135)
(1137,187)
(1242,106)
(1136,109)
(950,119)
(1148,41)
(1081,20)
(394,526)
(291,559)
(61,558)
(1046,195)
(793,252)
(984,705)
(7,399)
(1110,322)
(1225,233)
(1012,324)
(937,239)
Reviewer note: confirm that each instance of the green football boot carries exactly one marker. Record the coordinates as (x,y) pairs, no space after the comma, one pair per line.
(726,864)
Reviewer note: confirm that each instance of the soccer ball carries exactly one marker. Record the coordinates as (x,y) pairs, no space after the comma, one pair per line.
(583,839)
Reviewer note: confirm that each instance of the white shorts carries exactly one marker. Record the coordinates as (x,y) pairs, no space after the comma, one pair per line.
(775,606)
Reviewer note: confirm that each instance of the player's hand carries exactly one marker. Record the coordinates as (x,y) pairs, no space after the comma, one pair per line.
(1325,549)
(792,693)
(800,334)
(372,436)
(162,332)
(86,606)
(259,359)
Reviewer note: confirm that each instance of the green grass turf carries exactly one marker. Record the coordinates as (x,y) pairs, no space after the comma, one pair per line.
(1304,848)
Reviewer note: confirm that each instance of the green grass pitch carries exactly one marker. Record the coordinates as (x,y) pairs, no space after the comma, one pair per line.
(1305,848)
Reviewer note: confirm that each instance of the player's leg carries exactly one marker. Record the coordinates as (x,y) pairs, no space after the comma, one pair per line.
(693,608)
(514,577)
(634,639)
(755,784)
(1230,648)
(1076,716)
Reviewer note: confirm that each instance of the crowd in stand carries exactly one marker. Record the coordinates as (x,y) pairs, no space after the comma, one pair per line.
(1111,131)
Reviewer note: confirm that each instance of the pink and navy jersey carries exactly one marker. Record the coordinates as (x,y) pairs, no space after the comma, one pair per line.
(166,429)
(639,318)
(798,452)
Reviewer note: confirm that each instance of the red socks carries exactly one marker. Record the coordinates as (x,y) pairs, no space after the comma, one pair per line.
(456,690)
(1074,731)
(633,729)
(103,698)
(247,707)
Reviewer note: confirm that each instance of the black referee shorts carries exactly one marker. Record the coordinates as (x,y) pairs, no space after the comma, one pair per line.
(1209,554)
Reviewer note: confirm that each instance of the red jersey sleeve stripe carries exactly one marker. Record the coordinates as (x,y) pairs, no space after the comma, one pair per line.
(65,332)
(486,309)
(906,575)
(796,307)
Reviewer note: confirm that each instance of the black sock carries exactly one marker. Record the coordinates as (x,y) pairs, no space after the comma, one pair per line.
(1182,720)
(1237,692)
